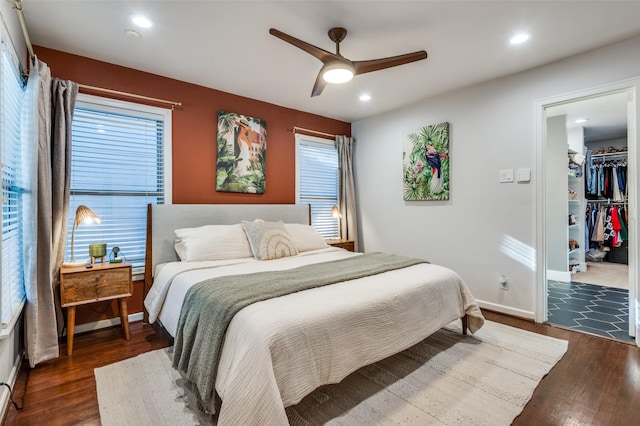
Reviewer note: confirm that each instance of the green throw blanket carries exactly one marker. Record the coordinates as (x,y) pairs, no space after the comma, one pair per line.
(210,305)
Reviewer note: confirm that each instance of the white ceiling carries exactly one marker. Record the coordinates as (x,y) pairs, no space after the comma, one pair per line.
(606,116)
(226,45)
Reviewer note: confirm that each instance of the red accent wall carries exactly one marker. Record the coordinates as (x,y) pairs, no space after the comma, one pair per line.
(194,128)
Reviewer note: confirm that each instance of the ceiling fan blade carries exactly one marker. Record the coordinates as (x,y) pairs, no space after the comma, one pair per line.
(319,85)
(362,67)
(317,52)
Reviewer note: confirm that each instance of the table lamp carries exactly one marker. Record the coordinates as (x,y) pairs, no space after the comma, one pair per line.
(83,215)
(335,212)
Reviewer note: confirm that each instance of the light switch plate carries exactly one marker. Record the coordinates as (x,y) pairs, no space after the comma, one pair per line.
(506,175)
(523,175)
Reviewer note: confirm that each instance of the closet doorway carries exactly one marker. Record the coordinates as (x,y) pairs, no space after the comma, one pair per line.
(587,220)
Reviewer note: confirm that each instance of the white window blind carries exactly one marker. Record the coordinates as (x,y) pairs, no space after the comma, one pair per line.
(12,93)
(120,163)
(317,172)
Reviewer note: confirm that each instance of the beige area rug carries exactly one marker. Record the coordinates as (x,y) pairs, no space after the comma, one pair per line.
(447,379)
(606,274)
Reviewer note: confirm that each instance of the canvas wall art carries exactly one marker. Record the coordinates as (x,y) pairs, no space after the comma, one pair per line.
(242,153)
(426,163)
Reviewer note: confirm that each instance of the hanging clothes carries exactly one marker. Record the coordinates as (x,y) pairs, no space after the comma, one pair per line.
(588,172)
(606,179)
(622,213)
(591,186)
(617,195)
(615,224)
(598,231)
(622,178)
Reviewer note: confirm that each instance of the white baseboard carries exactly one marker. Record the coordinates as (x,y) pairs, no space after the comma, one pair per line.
(4,391)
(506,310)
(564,276)
(96,325)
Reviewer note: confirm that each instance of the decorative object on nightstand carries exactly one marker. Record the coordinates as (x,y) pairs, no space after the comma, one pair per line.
(113,256)
(83,215)
(104,281)
(97,251)
(345,244)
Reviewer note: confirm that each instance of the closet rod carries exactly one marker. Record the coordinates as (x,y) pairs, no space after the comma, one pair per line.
(606,201)
(129,95)
(611,154)
(302,129)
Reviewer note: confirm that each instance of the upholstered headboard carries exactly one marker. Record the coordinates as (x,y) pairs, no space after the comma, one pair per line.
(163,219)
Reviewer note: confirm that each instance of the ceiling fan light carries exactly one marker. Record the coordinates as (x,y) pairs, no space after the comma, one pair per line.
(337,73)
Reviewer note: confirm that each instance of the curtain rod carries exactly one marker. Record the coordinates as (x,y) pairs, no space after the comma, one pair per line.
(129,95)
(17,4)
(302,129)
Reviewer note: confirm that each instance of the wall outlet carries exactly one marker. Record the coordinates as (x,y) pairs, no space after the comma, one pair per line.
(504,282)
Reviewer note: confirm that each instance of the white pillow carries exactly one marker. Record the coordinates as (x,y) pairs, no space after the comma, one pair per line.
(305,237)
(269,240)
(212,242)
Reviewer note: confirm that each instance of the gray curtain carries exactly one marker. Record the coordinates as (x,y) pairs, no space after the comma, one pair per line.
(347,190)
(55,103)
(63,100)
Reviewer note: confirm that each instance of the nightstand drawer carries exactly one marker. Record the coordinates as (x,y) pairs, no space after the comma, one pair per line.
(95,285)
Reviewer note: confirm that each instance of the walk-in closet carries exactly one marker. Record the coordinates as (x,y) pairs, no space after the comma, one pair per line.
(588,217)
(606,214)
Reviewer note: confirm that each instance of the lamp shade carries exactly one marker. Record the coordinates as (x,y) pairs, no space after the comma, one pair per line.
(85,215)
(335,212)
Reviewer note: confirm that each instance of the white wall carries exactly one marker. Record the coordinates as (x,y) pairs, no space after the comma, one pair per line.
(487,228)
(11,346)
(556,199)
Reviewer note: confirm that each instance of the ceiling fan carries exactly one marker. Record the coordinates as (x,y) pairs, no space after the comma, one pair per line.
(338,69)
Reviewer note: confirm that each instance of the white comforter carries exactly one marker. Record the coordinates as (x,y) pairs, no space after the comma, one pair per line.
(279,350)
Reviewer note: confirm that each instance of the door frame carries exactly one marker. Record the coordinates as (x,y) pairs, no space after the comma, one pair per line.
(630,86)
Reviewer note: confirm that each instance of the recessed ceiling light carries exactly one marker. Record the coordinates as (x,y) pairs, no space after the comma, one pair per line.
(141,21)
(365,97)
(519,38)
(581,120)
(132,34)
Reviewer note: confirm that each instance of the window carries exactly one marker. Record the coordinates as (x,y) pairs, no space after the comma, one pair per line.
(120,162)
(317,181)
(12,93)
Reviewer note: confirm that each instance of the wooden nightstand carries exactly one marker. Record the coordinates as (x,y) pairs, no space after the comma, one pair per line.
(345,244)
(104,281)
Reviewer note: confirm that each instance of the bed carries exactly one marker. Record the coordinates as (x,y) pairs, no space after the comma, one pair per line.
(277,350)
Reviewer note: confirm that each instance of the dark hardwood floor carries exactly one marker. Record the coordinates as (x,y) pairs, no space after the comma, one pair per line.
(63,391)
(597,382)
